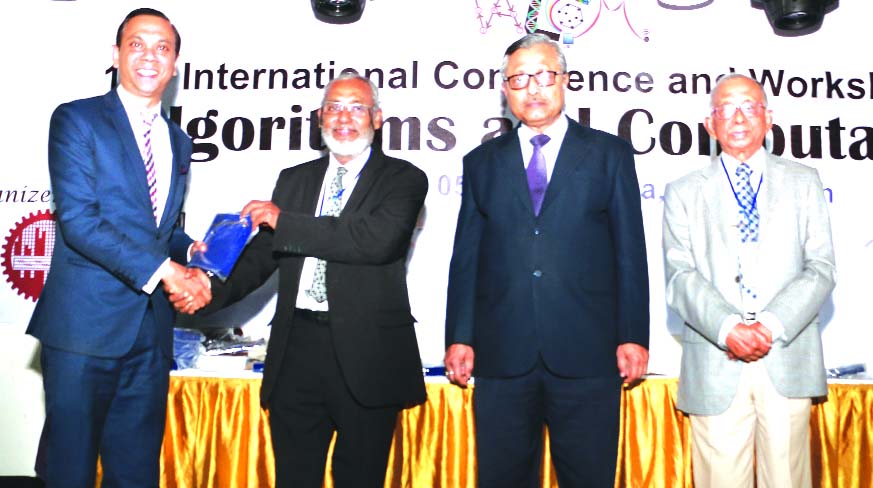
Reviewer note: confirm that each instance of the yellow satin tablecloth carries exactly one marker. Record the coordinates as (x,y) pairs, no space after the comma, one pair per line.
(217,436)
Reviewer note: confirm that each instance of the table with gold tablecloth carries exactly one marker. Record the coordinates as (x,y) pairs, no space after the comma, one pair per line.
(217,436)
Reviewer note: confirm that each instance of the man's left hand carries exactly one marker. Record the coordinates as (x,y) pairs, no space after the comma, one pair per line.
(633,360)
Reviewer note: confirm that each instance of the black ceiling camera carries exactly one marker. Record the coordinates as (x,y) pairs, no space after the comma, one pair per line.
(795,17)
(338,11)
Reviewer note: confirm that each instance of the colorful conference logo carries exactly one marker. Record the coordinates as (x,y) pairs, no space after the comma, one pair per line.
(27,253)
(568,20)
(489,12)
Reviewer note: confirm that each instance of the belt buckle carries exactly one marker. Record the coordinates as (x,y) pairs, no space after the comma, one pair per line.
(317,316)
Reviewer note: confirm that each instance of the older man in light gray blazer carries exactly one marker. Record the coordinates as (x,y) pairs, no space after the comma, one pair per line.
(749,263)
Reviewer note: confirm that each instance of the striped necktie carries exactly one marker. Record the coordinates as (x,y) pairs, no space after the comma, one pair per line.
(149,159)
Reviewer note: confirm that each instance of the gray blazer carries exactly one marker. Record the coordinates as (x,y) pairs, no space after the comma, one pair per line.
(701,268)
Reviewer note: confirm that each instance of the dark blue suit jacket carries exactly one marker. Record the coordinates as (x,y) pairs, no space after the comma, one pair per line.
(569,285)
(107,244)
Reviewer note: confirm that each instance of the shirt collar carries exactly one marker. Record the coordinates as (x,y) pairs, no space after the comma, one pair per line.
(136,106)
(555,131)
(755,162)
(354,167)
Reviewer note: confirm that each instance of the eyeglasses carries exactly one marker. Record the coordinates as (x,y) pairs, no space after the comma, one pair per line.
(521,80)
(354,109)
(727,111)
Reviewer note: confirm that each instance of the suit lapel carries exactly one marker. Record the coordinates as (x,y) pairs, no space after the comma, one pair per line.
(370,174)
(132,167)
(312,187)
(715,195)
(767,201)
(177,175)
(509,162)
(571,156)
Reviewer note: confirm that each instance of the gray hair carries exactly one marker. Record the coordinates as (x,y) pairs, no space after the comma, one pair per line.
(351,75)
(530,41)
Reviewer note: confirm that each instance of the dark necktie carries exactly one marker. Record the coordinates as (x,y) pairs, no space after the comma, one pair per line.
(318,290)
(149,160)
(536,172)
(749,218)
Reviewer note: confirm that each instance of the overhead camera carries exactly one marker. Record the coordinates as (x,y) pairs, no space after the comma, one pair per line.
(338,11)
(795,17)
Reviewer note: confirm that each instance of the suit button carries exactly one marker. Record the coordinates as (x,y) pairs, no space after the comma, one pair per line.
(536,231)
(537,273)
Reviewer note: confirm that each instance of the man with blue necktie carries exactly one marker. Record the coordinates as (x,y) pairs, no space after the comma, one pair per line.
(119,171)
(548,284)
(749,264)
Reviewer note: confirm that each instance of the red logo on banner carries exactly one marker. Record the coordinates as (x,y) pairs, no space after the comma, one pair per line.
(27,253)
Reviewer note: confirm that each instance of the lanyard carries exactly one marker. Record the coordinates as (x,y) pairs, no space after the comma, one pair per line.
(324,196)
(746,211)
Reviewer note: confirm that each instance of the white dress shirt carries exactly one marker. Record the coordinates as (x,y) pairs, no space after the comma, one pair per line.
(550,150)
(162,154)
(350,179)
(748,265)
(162,151)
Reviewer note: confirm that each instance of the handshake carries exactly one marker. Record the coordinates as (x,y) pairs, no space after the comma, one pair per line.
(189,288)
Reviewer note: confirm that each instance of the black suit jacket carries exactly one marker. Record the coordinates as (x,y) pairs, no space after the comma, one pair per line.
(365,249)
(569,285)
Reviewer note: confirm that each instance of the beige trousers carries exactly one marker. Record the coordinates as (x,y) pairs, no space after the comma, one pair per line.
(762,435)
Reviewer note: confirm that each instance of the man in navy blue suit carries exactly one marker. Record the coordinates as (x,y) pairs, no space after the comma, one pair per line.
(118,170)
(548,284)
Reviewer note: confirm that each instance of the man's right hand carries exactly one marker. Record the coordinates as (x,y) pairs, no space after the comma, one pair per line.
(749,342)
(262,212)
(188,289)
(459,364)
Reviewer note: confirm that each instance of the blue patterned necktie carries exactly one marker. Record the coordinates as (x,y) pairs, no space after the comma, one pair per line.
(536,172)
(318,290)
(746,197)
(149,160)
